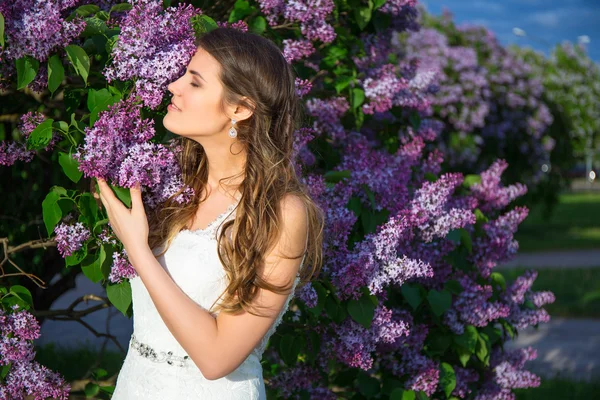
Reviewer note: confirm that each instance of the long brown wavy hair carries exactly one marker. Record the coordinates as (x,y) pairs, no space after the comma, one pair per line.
(254,67)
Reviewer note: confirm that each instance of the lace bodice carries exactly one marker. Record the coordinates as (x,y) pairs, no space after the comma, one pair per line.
(193,264)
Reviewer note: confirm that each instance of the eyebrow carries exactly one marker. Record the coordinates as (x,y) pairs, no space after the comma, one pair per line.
(191,71)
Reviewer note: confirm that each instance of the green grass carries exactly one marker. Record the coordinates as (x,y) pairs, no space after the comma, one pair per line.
(574,224)
(577,290)
(73,364)
(560,389)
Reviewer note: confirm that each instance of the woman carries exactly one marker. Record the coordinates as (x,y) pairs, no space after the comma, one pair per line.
(238,247)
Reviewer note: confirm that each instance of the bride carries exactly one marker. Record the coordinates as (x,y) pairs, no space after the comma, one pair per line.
(215,276)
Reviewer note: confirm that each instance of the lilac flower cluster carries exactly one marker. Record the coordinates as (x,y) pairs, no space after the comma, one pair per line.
(353,344)
(25,376)
(121,268)
(35,28)
(473,305)
(116,149)
(489,193)
(486,95)
(507,373)
(498,244)
(153,48)
(70,237)
(311,15)
(518,293)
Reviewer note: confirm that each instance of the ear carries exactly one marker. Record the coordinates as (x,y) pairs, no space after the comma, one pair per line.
(240,112)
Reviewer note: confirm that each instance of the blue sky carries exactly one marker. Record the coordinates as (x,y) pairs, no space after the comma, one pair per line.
(545,22)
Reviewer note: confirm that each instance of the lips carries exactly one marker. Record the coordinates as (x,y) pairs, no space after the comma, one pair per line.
(174,105)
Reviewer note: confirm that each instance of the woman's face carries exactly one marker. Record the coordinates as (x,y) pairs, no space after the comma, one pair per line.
(197,96)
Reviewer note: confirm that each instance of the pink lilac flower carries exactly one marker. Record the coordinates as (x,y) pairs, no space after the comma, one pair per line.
(153,48)
(70,237)
(121,268)
(294,50)
(473,305)
(107,142)
(25,376)
(498,243)
(303,87)
(354,343)
(489,192)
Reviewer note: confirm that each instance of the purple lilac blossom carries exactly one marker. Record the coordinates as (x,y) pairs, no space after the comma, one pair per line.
(490,194)
(121,268)
(70,238)
(35,28)
(153,48)
(25,375)
(498,243)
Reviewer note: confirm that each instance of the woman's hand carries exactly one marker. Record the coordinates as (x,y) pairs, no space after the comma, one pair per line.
(130,225)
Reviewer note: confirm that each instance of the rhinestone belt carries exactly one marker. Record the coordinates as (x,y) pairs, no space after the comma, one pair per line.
(159,357)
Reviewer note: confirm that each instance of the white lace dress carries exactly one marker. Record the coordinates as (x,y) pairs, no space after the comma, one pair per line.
(154,367)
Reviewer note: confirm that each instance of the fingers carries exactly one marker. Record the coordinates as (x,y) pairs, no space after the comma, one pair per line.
(136,198)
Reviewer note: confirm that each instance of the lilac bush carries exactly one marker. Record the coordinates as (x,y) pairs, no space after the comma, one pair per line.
(490,100)
(407,300)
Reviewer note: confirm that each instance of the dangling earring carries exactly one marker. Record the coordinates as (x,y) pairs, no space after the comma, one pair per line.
(232,131)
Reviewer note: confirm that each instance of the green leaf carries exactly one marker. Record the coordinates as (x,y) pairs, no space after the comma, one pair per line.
(336,176)
(51,211)
(481,350)
(98,101)
(241,9)
(358,97)
(290,347)
(465,239)
(122,194)
(412,295)
(56,73)
(362,310)
(439,301)
(5,368)
(80,60)
(258,25)
(120,7)
(453,286)
(334,310)
(88,208)
(363,15)
(464,355)
(91,389)
(120,295)
(40,136)
(91,266)
(454,235)
(447,378)
(1,30)
(498,280)
(87,10)
(471,179)
(342,83)
(468,339)
(99,373)
(27,69)
(367,385)
(22,293)
(69,166)
(402,394)
(77,256)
